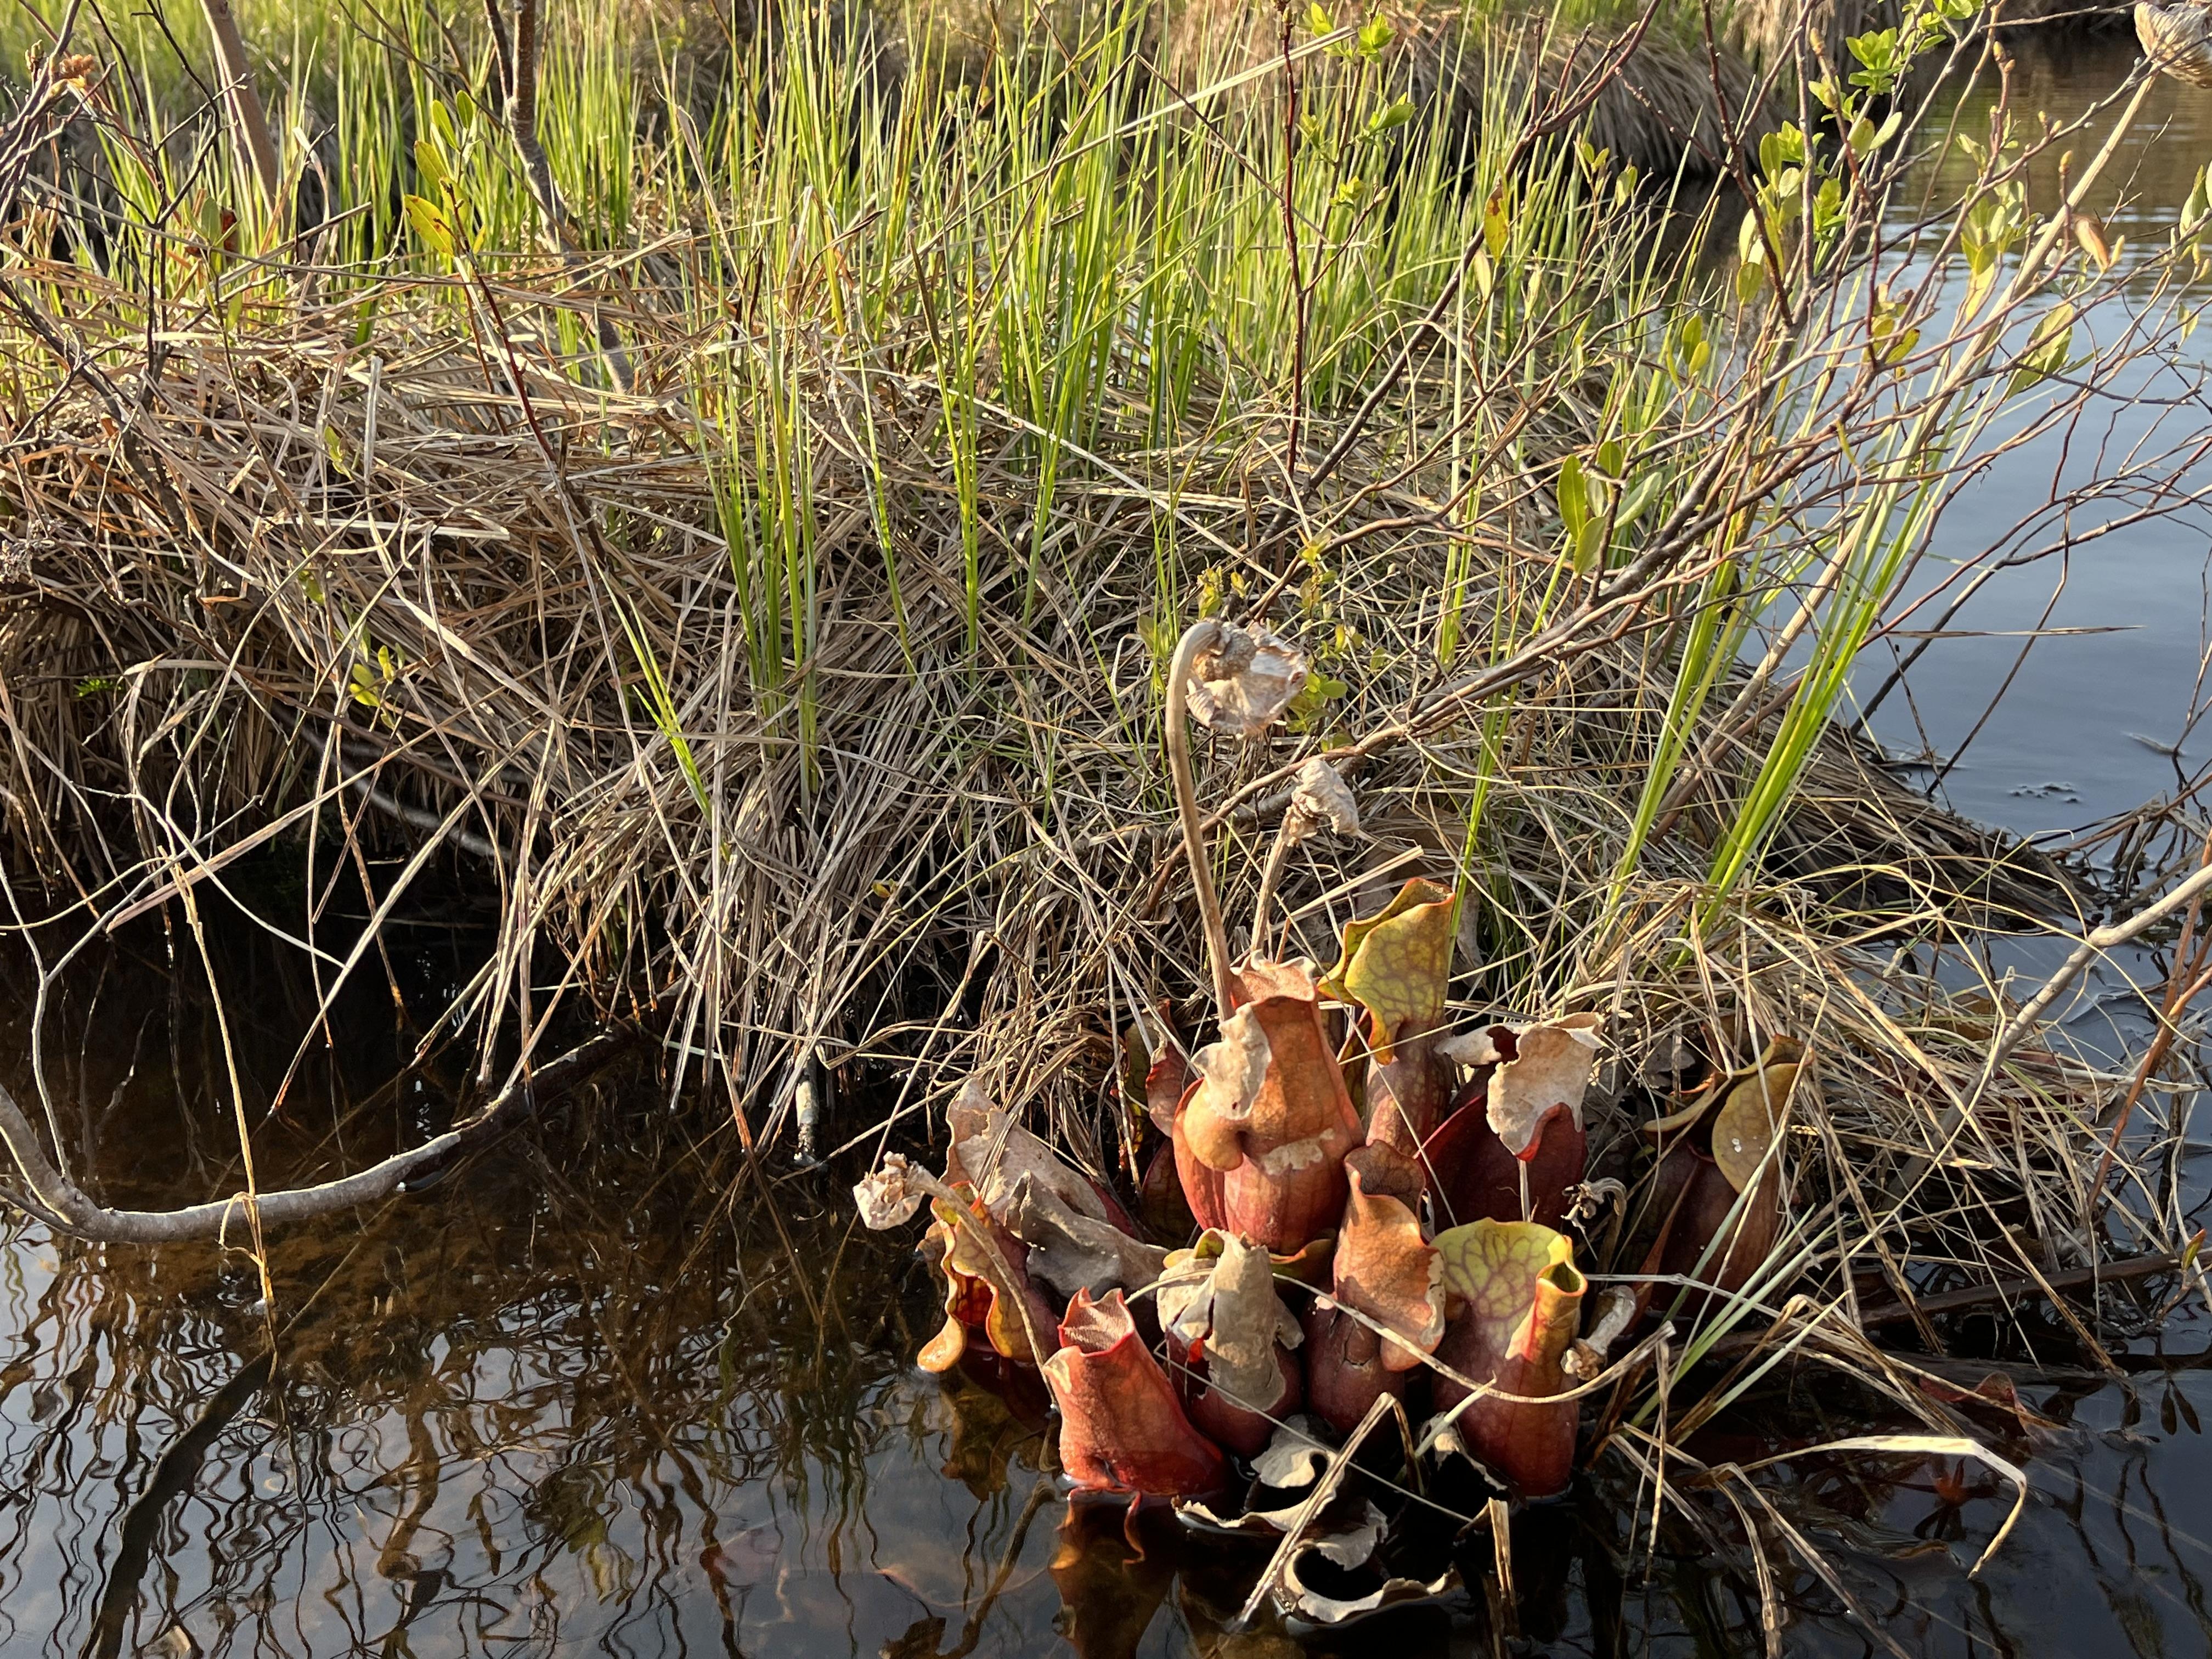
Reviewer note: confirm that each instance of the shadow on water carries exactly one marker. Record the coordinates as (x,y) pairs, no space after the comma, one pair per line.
(604,1391)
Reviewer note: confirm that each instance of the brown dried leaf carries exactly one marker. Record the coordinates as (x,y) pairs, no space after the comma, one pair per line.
(977,1125)
(1218,1297)
(1321,799)
(885,1196)
(1551,1067)
(1242,685)
(1070,1251)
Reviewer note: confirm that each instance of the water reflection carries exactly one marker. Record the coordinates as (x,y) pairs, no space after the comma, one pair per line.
(2099,714)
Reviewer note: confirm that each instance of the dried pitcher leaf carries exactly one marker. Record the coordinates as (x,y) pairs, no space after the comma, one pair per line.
(1550,1066)
(1243,685)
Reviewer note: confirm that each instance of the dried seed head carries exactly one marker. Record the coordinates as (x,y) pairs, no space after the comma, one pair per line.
(1321,799)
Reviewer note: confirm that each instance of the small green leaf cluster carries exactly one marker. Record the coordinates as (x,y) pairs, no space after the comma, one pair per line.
(1368,45)
(440,217)
(1602,502)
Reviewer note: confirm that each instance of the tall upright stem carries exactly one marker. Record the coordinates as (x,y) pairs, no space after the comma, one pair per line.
(518,61)
(1200,637)
(245,111)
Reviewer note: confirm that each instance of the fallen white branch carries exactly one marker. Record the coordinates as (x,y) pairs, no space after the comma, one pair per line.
(58,1201)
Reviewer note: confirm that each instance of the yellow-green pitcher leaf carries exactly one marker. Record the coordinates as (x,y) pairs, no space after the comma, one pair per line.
(1397,964)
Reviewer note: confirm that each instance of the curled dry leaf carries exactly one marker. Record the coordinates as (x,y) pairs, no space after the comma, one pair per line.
(1220,1295)
(1346,1550)
(992,1153)
(1384,1267)
(1070,1251)
(1616,1312)
(1352,1541)
(1074,1237)
(1320,799)
(1243,685)
(973,1304)
(1541,1066)
(1292,1460)
(1294,1456)
(886,1198)
(1521,1303)
(1224,1321)
(1121,1427)
(1232,1071)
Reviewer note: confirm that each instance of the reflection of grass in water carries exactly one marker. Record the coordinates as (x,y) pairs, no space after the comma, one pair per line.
(580,1367)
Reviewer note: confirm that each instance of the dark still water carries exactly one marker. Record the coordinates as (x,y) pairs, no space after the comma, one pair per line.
(609,1390)
(2092,647)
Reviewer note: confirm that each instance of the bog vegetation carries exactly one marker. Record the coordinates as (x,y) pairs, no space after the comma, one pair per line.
(735,493)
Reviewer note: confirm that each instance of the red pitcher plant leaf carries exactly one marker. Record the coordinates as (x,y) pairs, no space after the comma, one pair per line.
(1384,1267)
(1397,966)
(1122,1428)
(1516,1147)
(1477,1178)
(1202,1184)
(1718,1167)
(973,1306)
(1230,1330)
(1269,1112)
(1167,1079)
(1163,1206)
(1517,1302)
(1345,1372)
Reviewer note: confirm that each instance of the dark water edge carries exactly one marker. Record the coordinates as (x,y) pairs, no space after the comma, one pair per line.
(608,1390)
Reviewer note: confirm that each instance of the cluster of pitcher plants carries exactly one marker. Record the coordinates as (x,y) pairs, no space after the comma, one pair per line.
(1349,1202)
